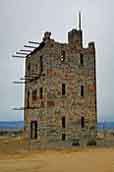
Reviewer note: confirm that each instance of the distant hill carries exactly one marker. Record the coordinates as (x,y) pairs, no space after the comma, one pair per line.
(12,124)
(20,124)
(107,125)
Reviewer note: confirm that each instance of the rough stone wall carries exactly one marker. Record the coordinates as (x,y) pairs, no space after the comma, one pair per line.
(53,105)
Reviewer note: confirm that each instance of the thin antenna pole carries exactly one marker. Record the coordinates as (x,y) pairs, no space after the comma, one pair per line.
(26,51)
(28,46)
(33,42)
(15,56)
(80,22)
(18,82)
(21,53)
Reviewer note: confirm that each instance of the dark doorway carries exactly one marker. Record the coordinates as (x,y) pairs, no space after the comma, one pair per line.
(82,91)
(63,122)
(63,89)
(63,137)
(33,129)
(41,93)
(41,64)
(81,59)
(82,122)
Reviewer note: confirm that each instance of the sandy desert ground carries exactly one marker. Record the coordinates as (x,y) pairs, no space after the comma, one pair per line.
(86,160)
(65,160)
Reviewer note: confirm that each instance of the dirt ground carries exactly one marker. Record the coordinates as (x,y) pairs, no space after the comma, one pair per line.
(86,160)
(65,160)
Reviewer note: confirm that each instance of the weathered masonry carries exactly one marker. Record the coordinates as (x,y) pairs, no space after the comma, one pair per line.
(60,92)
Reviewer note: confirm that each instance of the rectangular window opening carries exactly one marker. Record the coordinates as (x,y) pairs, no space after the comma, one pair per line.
(41,64)
(41,93)
(82,90)
(33,127)
(62,56)
(34,94)
(28,67)
(81,59)
(63,89)
(63,137)
(82,122)
(63,122)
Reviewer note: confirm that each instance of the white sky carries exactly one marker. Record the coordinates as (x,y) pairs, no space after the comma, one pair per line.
(23,20)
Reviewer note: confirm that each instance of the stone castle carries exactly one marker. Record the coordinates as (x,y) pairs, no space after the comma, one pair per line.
(60,92)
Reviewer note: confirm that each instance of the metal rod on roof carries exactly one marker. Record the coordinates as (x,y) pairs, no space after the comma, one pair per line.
(14,56)
(22,53)
(31,75)
(26,79)
(28,46)
(18,82)
(23,108)
(33,42)
(32,107)
(22,78)
(26,51)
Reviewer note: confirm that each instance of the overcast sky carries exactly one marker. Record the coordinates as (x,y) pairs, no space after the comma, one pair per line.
(23,20)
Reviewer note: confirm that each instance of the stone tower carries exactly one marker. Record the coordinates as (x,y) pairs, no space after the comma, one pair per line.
(60,92)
